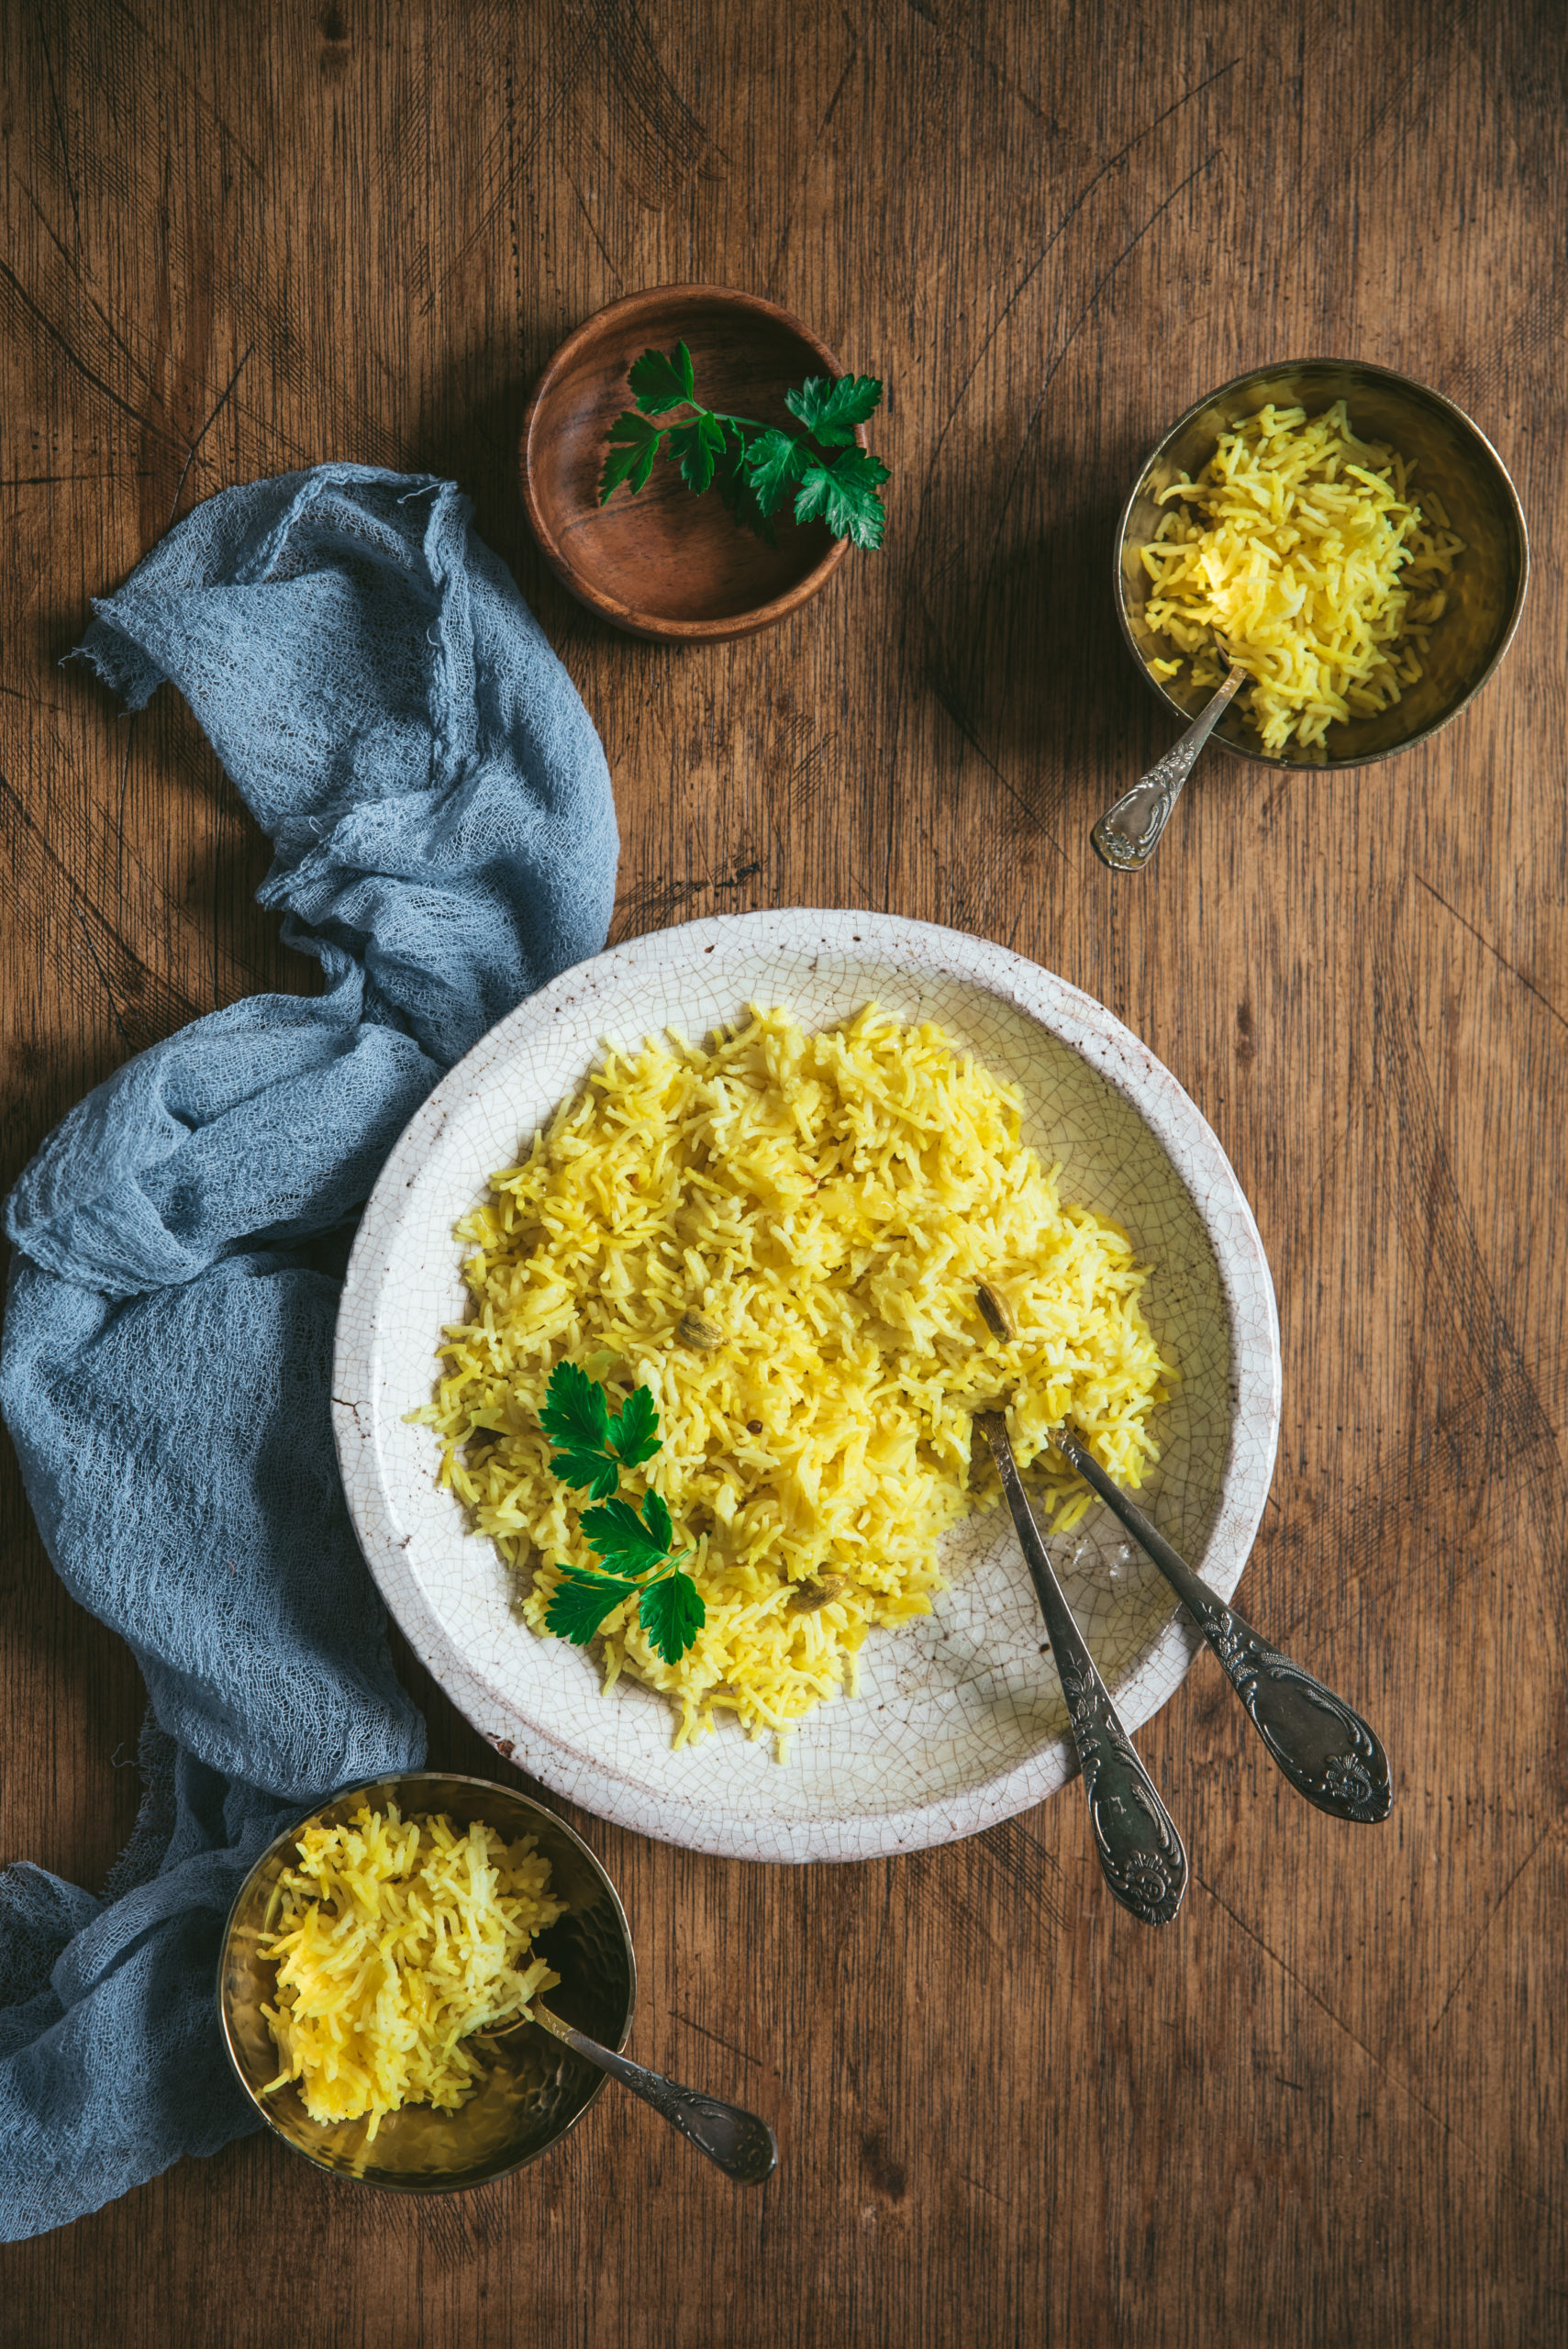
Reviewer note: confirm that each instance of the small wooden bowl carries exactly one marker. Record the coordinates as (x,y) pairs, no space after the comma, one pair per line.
(662,562)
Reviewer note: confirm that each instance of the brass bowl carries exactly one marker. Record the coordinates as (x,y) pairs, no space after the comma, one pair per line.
(1486,591)
(534,2091)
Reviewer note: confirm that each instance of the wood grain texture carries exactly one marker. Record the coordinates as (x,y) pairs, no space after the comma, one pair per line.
(1332,2105)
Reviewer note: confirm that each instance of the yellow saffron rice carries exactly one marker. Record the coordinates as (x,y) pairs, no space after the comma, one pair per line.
(829,1204)
(1300,552)
(397,1939)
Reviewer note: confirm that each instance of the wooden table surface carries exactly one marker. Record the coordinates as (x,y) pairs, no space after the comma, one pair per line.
(1331,2106)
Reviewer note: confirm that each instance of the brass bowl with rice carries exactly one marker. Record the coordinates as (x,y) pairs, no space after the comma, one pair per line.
(523,2090)
(1466,551)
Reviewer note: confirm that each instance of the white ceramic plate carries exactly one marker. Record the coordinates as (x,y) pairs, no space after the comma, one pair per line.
(960,1720)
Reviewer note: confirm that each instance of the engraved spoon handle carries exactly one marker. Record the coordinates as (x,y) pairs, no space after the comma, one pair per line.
(1322,1744)
(743,2146)
(1140,1848)
(1128,833)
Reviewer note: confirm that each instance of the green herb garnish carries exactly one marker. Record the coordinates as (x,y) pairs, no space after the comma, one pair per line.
(639,1559)
(594,1446)
(755,467)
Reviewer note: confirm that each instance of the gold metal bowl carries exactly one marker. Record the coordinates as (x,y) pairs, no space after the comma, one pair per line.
(1486,591)
(534,2090)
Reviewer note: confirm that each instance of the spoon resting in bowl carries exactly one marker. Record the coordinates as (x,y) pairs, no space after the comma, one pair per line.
(742,2145)
(1128,833)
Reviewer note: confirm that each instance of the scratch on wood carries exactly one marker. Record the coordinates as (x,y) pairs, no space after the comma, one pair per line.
(657,900)
(980,604)
(1378,2064)
(50,480)
(61,343)
(1054,238)
(1435,1226)
(1496,1910)
(103,974)
(718,2038)
(1512,968)
(216,410)
(74,264)
(152,1006)
(60,125)
(947,699)
(831,108)
(670,127)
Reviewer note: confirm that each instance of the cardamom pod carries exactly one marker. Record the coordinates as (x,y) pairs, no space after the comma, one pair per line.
(813,1595)
(996,1314)
(696,1329)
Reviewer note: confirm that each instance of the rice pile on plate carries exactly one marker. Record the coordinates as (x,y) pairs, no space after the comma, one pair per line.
(395,1941)
(828,1205)
(1299,552)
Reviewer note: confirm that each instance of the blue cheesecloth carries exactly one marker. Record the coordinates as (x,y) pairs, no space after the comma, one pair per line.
(445,841)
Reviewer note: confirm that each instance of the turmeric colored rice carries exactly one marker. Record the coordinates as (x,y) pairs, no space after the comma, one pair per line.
(1300,552)
(828,1205)
(395,1942)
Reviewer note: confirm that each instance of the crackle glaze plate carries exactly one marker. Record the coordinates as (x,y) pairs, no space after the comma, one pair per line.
(960,1720)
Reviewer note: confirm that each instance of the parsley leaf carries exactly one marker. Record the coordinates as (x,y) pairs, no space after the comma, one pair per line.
(593,1447)
(672,1614)
(696,445)
(736,494)
(656,1517)
(634,1430)
(580,1602)
(773,463)
(596,1469)
(576,1419)
(575,1414)
(843,492)
(831,411)
(661,384)
(636,1544)
(634,444)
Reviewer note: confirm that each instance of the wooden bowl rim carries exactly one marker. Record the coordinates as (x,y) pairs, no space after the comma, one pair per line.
(627,616)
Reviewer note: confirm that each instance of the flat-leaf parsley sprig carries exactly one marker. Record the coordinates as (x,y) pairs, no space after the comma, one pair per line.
(756,468)
(639,1558)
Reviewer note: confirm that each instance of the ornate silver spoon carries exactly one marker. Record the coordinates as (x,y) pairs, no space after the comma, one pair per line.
(1322,1744)
(1140,1848)
(743,2146)
(1128,833)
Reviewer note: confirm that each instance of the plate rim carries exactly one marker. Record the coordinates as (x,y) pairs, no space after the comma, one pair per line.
(1122,1061)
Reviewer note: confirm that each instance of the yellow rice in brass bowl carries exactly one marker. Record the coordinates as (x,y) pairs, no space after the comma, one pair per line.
(395,1941)
(781,1235)
(1301,553)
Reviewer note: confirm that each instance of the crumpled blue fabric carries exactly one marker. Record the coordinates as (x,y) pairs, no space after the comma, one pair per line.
(445,841)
